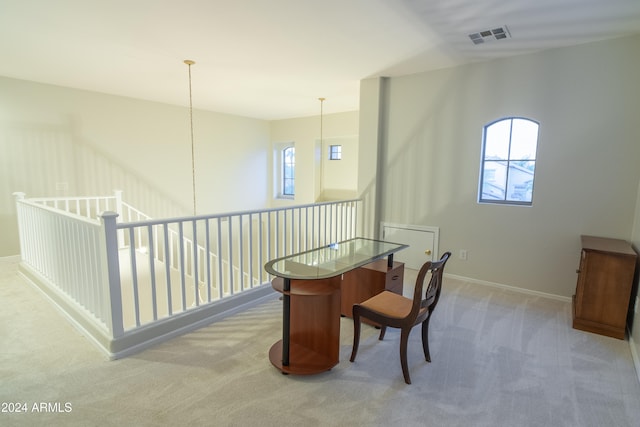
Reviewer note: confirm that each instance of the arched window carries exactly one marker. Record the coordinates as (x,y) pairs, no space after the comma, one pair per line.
(288,171)
(508,166)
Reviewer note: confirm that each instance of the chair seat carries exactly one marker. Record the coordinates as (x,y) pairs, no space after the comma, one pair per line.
(389,304)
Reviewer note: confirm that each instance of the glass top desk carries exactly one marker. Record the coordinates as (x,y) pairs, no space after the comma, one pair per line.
(310,282)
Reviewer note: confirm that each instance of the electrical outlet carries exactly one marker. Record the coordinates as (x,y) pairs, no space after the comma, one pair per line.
(463,254)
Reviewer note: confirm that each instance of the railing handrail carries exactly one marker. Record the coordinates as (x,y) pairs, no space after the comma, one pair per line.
(37,203)
(228,214)
(53,199)
(152,221)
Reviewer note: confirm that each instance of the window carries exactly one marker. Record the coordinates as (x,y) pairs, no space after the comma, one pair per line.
(288,171)
(335,152)
(508,161)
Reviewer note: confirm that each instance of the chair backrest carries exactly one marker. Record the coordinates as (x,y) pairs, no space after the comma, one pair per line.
(431,296)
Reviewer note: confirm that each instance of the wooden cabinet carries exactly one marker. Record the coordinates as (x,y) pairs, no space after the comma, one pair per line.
(605,279)
(362,283)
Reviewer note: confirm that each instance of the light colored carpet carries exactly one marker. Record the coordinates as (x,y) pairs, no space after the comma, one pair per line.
(500,358)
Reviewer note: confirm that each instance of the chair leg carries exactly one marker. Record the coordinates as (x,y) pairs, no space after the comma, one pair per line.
(404,340)
(356,333)
(425,339)
(383,329)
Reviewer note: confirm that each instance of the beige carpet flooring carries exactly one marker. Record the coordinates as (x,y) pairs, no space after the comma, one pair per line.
(500,358)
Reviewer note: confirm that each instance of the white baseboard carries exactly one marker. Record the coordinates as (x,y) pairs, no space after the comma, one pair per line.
(510,288)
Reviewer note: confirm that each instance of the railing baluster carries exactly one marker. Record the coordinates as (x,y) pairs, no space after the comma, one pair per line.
(181,244)
(167,265)
(300,229)
(339,219)
(79,258)
(313,225)
(269,240)
(230,248)
(277,254)
(241,253)
(134,276)
(260,246)
(322,232)
(152,272)
(284,233)
(347,219)
(219,251)
(208,258)
(196,278)
(322,213)
(250,251)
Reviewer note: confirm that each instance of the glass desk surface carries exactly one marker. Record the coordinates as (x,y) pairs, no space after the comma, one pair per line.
(332,260)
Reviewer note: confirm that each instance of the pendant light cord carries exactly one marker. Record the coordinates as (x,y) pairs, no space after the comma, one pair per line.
(193,156)
(321,150)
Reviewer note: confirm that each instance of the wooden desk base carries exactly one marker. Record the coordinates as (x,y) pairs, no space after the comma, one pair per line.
(314,326)
(303,360)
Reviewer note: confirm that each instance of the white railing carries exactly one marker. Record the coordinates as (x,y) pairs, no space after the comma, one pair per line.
(68,251)
(216,256)
(128,276)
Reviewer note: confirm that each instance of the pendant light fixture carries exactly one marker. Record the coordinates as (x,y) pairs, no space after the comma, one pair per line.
(193,157)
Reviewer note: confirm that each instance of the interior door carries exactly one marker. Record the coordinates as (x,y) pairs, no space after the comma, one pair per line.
(422,241)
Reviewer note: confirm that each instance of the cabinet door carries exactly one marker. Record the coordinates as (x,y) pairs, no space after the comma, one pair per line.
(605,288)
(422,241)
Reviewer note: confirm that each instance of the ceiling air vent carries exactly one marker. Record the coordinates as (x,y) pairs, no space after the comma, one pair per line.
(490,35)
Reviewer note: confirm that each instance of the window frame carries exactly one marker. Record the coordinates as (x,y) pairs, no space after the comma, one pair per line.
(509,161)
(284,171)
(335,154)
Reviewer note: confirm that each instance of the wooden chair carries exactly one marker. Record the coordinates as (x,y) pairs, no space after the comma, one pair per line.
(396,311)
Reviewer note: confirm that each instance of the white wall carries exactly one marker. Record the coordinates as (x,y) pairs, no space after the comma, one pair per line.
(372,105)
(340,177)
(97,143)
(305,133)
(587,100)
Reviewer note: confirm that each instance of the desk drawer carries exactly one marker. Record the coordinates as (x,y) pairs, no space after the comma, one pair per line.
(395,280)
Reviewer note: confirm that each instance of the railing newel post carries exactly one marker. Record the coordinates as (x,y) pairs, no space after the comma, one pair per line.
(108,220)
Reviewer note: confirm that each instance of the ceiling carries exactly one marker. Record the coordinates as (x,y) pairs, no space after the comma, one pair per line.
(273,59)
